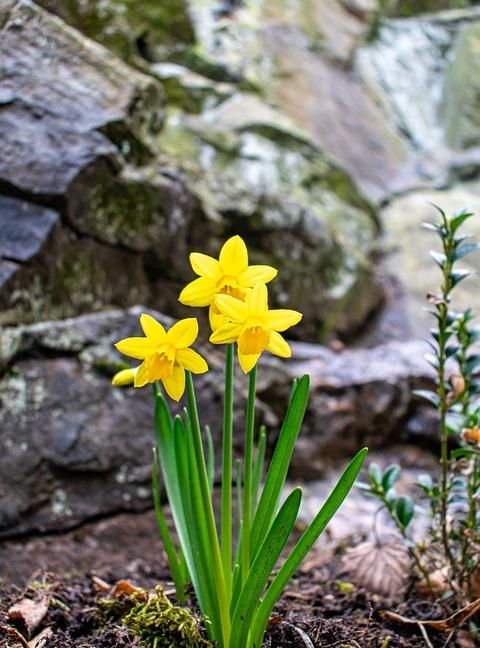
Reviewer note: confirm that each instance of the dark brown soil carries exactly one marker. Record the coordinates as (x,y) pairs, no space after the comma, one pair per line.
(318,607)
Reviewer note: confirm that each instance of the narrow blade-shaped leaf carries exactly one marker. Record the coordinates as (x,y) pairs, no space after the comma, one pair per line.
(277,471)
(303,546)
(265,560)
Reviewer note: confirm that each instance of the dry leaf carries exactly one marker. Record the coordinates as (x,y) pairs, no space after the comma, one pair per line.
(380,568)
(442,625)
(13,632)
(125,587)
(41,639)
(436,585)
(30,613)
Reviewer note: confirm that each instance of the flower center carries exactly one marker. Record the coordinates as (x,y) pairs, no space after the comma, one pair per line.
(159,366)
(228,286)
(253,340)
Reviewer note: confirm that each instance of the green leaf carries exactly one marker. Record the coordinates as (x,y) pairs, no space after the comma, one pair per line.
(375,474)
(473,362)
(425,482)
(279,465)
(303,546)
(432,360)
(210,457)
(456,276)
(459,218)
(179,575)
(439,258)
(404,510)
(428,395)
(390,476)
(261,568)
(463,250)
(259,465)
(464,452)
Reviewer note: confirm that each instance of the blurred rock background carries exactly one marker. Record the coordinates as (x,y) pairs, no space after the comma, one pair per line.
(135,131)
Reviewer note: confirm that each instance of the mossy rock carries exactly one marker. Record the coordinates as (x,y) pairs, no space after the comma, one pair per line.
(155,30)
(460,109)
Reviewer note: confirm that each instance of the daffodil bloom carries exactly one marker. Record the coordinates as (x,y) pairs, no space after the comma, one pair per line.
(165,355)
(229,275)
(253,326)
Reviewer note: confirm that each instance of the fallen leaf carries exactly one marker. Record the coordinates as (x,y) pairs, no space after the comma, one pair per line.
(29,613)
(125,587)
(442,625)
(100,584)
(382,568)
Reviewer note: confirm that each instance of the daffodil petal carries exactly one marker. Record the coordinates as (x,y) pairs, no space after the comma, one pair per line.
(124,377)
(136,347)
(216,319)
(183,333)
(205,266)
(175,384)
(199,292)
(232,308)
(191,360)
(247,362)
(226,334)
(281,319)
(257,299)
(141,376)
(233,256)
(152,329)
(279,346)
(257,274)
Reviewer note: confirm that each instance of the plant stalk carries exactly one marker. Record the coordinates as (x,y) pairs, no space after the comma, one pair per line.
(226,510)
(248,473)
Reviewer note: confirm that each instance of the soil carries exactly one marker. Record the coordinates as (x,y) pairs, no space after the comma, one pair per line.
(318,609)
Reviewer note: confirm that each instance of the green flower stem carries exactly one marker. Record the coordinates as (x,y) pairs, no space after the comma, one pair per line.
(248,473)
(217,566)
(226,511)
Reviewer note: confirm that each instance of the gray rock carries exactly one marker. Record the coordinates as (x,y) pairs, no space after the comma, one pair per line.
(72,447)
(24,228)
(80,105)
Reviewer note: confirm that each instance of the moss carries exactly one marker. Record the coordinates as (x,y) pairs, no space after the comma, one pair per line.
(160,624)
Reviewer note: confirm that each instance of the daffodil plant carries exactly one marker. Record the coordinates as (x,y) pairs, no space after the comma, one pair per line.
(231,568)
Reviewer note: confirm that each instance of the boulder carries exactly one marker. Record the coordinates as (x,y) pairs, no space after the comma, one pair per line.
(460,106)
(73,447)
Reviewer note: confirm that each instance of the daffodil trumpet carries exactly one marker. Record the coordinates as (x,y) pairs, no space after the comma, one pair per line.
(231,573)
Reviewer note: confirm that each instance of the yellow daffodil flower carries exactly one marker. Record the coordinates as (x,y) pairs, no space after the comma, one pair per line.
(124,377)
(165,355)
(229,275)
(253,326)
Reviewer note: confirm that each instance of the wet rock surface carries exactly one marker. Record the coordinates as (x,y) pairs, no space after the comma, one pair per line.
(73,447)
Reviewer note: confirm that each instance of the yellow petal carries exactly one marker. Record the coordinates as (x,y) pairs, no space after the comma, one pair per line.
(152,329)
(281,319)
(124,377)
(175,384)
(216,318)
(141,377)
(247,362)
(183,333)
(257,299)
(191,360)
(257,274)
(232,308)
(226,334)
(279,346)
(136,347)
(205,266)
(233,256)
(199,292)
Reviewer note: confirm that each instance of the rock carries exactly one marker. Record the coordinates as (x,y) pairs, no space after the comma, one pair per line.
(461,95)
(95,105)
(131,27)
(254,171)
(73,447)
